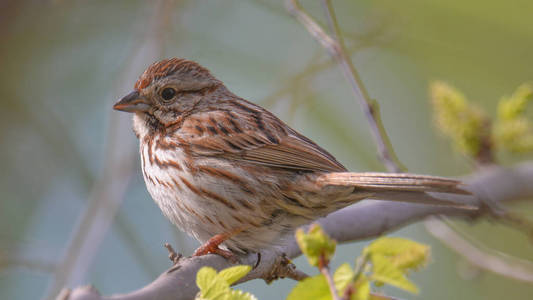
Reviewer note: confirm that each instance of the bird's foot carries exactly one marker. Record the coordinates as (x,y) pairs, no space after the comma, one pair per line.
(211,247)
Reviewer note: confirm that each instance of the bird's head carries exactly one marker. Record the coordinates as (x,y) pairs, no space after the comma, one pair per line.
(166,90)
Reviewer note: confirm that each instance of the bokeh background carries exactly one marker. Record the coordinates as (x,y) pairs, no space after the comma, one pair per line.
(68,160)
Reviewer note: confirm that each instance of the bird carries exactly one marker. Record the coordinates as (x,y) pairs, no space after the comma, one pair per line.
(236,177)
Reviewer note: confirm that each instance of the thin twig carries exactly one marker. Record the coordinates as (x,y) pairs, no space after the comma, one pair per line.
(337,50)
(516,221)
(311,69)
(479,256)
(323,266)
(360,265)
(493,261)
(172,254)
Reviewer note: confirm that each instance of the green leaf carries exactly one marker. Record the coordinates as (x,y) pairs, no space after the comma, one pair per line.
(216,286)
(233,274)
(392,258)
(315,288)
(362,289)
(403,254)
(515,106)
(384,271)
(513,130)
(343,276)
(464,123)
(315,243)
(212,286)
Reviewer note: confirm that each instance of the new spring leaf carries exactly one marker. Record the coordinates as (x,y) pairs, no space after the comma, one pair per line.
(513,130)
(393,258)
(315,243)
(216,286)
(464,123)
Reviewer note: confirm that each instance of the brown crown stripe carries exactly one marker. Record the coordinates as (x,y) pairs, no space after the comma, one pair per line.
(167,67)
(218,198)
(226,175)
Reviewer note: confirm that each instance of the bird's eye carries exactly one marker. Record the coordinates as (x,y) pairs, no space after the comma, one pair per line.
(168,93)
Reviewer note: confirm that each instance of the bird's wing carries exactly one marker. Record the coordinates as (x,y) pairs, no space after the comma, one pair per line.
(253,137)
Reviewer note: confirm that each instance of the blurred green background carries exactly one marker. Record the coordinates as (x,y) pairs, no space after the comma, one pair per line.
(64,63)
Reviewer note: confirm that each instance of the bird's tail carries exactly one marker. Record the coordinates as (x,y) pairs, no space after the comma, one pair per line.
(399,187)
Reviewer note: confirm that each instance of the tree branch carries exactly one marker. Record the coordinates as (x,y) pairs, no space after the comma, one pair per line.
(323,266)
(485,259)
(364,220)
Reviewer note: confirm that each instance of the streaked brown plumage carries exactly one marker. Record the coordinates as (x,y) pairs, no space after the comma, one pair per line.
(219,166)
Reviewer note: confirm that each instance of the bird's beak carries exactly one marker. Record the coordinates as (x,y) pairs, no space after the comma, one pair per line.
(132,102)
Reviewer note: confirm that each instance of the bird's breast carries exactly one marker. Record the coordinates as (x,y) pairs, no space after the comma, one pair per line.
(203,196)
